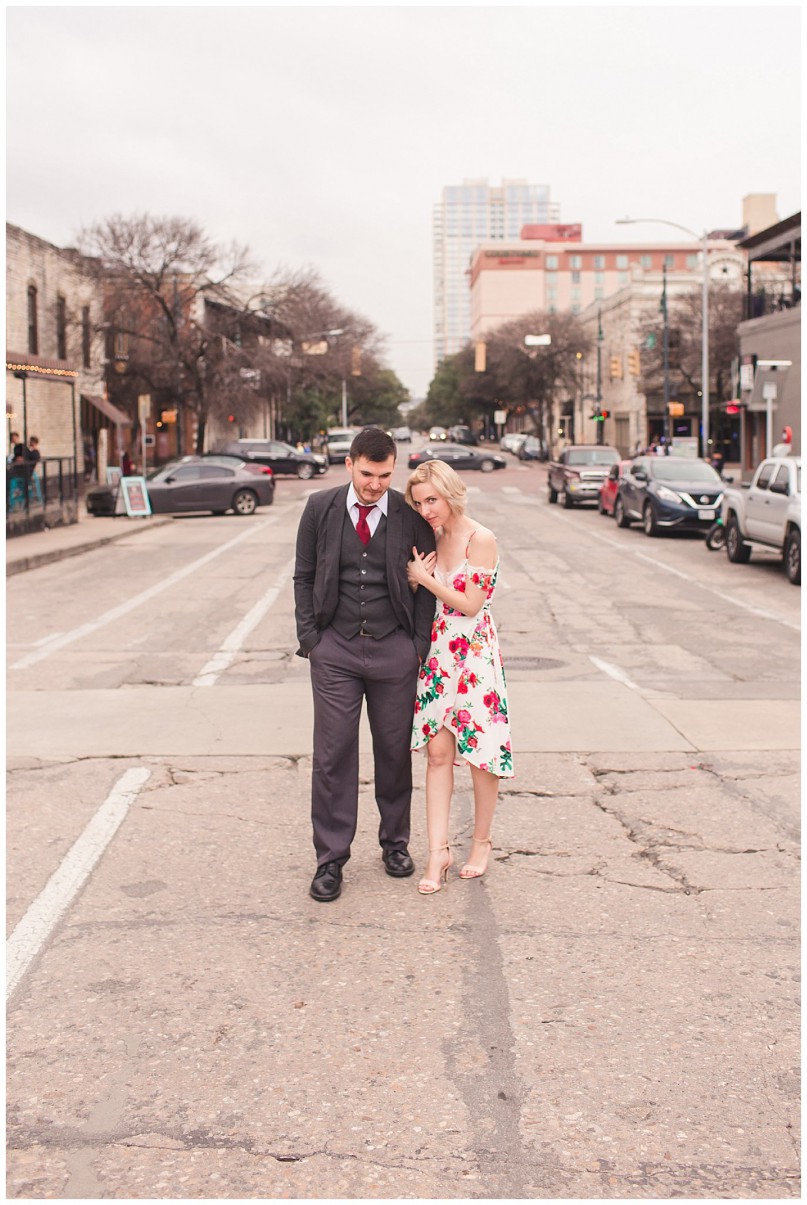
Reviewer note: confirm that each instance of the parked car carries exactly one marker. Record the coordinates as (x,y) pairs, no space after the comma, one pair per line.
(578,473)
(281,457)
(512,441)
(459,457)
(182,487)
(669,493)
(338,443)
(401,435)
(767,511)
(462,435)
(531,448)
(610,487)
(438,433)
(234,462)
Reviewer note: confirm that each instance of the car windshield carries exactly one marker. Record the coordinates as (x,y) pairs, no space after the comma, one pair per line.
(593,456)
(674,469)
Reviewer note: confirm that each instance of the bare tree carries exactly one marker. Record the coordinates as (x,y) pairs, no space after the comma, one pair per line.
(158,276)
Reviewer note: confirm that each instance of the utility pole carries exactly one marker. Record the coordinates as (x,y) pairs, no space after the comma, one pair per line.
(598,399)
(666,350)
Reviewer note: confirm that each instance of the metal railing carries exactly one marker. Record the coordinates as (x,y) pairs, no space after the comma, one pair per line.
(37,494)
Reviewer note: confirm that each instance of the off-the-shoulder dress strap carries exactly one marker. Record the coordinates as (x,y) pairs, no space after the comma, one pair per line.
(468,545)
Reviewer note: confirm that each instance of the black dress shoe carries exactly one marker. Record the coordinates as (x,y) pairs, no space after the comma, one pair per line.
(398,863)
(327,883)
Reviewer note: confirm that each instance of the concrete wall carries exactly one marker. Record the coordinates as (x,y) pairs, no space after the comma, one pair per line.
(774,337)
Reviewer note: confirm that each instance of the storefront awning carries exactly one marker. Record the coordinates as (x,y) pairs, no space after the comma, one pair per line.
(108,410)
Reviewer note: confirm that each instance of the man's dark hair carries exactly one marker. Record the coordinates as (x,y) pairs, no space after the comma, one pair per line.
(373,444)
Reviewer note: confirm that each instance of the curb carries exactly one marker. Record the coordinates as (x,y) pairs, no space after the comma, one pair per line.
(36,560)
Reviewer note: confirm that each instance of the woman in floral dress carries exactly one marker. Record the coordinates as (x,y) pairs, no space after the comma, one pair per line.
(461,704)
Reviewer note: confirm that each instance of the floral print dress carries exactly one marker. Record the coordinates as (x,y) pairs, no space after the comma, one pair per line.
(461,684)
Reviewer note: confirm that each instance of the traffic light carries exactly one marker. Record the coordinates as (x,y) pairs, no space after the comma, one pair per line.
(634,366)
(604,414)
(480,356)
(355,361)
(732,408)
(616,368)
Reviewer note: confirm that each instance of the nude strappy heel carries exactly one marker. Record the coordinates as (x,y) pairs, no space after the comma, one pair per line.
(469,871)
(430,886)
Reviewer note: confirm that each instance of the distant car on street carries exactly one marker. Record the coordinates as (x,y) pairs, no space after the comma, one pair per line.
(669,493)
(610,487)
(512,441)
(532,448)
(282,458)
(438,433)
(184,487)
(459,457)
(401,435)
(338,443)
(578,473)
(462,435)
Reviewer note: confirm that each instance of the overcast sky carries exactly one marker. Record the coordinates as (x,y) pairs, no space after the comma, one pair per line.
(323,136)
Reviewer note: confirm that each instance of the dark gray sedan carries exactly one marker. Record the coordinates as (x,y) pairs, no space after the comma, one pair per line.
(459,457)
(181,488)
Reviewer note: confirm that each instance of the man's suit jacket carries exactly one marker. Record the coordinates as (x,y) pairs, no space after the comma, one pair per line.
(316,569)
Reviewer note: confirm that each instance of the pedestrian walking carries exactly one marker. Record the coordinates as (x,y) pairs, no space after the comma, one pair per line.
(13,440)
(126,466)
(364,632)
(461,704)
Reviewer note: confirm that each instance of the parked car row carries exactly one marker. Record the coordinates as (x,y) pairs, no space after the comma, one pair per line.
(524,446)
(670,493)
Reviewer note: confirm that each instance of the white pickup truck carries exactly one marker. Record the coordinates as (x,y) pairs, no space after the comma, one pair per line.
(767,511)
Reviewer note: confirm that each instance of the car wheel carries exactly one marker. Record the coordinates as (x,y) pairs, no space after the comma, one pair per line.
(553,495)
(738,552)
(487,466)
(649,520)
(793,557)
(622,519)
(305,471)
(244,502)
(567,500)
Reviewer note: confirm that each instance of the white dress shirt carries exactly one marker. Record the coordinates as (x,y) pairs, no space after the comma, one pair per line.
(374,517)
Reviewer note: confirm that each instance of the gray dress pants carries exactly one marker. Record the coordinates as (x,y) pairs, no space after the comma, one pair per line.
(343,673)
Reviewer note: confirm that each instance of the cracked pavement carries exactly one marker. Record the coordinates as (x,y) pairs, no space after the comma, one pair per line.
(611,1012)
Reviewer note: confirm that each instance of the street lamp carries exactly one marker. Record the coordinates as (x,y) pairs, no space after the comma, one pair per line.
(703,239)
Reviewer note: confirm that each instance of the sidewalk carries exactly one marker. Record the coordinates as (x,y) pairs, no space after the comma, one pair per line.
(43,547)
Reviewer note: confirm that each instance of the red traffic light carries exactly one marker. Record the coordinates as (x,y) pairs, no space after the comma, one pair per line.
(732,409)
(230,418)
(605,414)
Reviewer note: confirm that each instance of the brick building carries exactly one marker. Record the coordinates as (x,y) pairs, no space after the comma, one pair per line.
(55,354)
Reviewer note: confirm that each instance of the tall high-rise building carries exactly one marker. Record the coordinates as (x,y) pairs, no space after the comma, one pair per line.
(466,215)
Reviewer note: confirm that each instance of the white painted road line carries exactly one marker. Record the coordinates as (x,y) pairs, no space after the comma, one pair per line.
(613,671)
(67,880)
(510,489)
(224,657)
(687,577)
(131,604)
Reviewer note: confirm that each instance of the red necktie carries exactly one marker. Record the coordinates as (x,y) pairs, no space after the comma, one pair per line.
(362,528)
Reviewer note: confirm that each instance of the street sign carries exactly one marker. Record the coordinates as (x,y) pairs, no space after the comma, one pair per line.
(537,340)
(135,496)
(149,441)
(143,407)
(499,417)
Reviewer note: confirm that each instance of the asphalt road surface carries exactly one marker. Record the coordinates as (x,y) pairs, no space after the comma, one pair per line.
(610,1013)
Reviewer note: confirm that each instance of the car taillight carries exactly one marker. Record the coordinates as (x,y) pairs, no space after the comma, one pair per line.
(265,469)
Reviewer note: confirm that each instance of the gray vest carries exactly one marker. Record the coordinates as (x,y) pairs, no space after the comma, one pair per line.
(364,601)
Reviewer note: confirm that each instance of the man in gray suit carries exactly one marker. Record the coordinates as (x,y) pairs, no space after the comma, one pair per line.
(365,634)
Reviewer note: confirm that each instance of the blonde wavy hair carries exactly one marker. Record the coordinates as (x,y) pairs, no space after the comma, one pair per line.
(444,480)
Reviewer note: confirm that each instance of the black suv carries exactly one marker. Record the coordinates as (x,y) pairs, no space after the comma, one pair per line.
(281,457)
